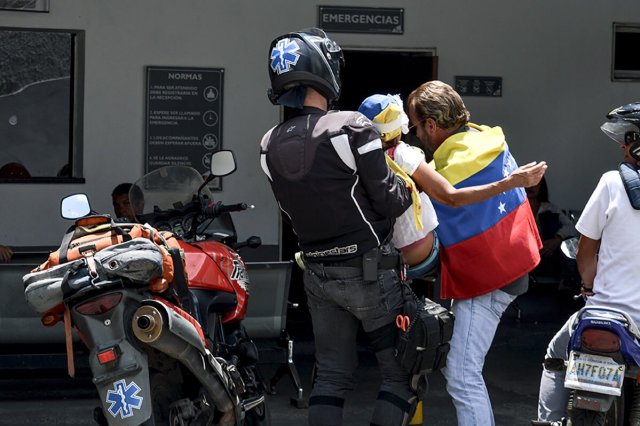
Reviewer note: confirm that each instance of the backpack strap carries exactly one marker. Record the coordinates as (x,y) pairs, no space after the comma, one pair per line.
(64,245)
(179,278)
(78,230)
(71,368)
(121,230)
(180,283)
(631,179)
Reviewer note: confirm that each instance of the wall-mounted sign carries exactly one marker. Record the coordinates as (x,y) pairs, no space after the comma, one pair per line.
(478,86)
(25,5)
(183,117)
(342,19)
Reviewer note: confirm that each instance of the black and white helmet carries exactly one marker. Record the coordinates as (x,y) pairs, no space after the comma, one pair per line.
(624,124)
(305,58)
(624,127)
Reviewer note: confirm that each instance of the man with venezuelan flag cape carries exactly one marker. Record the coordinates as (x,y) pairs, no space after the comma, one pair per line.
(488,248)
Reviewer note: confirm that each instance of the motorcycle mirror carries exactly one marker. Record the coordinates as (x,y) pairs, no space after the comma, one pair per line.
(75,206)
(223,163)
(569,247)
(254,241)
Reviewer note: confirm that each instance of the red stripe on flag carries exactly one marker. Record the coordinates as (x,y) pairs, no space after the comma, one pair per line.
(490,260)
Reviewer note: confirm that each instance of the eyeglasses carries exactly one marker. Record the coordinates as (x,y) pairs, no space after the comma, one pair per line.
(412,128)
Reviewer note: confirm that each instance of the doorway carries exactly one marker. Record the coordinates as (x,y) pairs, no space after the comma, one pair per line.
(369,71)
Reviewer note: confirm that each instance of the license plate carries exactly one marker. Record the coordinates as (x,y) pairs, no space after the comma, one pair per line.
(594,373)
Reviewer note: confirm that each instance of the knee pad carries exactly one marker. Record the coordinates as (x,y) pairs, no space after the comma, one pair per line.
(399,410)
(333,401)
(325,410)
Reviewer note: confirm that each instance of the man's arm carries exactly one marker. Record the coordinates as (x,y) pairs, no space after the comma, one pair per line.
(438,188)
(587,258)
(388,193)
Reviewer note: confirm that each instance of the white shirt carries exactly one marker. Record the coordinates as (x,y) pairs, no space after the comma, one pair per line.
(609,217)
(404,230)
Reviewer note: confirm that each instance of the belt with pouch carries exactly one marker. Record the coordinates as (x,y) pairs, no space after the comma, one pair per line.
(389,261)
(370,262)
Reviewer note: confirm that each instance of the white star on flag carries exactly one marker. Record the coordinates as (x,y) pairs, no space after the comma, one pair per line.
(501,207)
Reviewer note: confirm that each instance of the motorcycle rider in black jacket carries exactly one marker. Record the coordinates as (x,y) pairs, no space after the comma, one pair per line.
(328,173)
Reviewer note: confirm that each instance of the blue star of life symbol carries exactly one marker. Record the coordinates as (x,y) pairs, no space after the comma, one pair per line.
(284,55)
(124,399)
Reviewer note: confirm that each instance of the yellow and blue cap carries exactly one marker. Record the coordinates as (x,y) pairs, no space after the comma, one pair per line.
(387,114)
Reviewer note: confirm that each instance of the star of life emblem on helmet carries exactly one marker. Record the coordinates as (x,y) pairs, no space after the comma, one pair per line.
(284,55)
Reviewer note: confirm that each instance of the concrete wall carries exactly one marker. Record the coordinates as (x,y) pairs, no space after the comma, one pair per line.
(554,58)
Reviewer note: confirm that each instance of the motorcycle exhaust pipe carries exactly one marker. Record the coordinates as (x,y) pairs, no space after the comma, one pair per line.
(147,324)
(150,327)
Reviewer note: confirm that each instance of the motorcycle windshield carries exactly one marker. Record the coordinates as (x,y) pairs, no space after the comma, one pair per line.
(166,188)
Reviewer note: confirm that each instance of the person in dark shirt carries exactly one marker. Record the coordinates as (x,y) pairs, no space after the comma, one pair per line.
(328,173)
(554,226)
(122,205)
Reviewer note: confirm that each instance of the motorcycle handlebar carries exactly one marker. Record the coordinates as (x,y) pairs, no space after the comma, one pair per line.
(216,209)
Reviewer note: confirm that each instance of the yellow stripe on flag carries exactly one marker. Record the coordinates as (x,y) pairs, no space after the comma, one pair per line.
(466,153)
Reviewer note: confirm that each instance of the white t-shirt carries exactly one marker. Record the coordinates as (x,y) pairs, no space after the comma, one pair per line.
(609,217)
(404,230)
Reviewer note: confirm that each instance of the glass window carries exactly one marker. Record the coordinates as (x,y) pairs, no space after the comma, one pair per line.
(626,60)
(40,105)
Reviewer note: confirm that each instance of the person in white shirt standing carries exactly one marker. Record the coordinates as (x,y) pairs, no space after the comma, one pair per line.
(607,252)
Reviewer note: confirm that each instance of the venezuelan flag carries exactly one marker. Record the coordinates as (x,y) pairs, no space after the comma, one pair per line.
(488,244)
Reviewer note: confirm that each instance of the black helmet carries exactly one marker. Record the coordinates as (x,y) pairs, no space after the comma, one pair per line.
(624,124)
(305,58)
(624,127)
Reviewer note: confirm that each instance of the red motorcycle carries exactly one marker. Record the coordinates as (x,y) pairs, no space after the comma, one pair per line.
(160,354)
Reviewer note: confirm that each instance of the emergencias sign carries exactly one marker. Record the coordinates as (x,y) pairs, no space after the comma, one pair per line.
(361,19)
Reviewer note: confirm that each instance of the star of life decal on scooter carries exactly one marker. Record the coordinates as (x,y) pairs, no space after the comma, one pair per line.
(283,55)
(124,398)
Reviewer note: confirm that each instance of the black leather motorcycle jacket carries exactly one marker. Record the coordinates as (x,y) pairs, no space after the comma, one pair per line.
(328,173)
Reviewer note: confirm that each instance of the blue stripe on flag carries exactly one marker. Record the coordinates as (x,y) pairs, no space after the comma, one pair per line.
(460,223)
